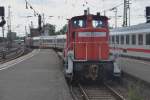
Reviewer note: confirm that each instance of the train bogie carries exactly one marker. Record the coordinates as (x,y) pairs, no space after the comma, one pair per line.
(91,70)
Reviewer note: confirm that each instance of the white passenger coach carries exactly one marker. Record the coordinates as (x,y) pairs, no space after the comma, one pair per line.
(133,41)
(57,41)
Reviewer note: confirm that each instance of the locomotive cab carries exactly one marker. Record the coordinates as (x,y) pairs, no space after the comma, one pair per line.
(87,49)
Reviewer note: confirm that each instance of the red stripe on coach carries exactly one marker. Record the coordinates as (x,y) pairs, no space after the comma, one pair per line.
(133,49)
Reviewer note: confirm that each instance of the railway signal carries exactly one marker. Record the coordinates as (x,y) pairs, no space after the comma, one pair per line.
(2,11)
(2,23)
(2,14)
(115,10)
(40,22)
(148,14)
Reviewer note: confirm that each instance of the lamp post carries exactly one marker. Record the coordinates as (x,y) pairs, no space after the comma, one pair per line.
(116,11)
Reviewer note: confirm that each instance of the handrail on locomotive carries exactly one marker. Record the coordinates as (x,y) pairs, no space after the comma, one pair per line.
(88,49)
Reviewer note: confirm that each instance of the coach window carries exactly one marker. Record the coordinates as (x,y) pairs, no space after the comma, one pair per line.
(113,39)
(133,39)
(148,39)
(127,39)
(122,39)
(140,39)
(117,39)
(110,39)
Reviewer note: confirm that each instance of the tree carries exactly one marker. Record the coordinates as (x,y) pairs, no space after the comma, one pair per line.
(62,31)
(50,28)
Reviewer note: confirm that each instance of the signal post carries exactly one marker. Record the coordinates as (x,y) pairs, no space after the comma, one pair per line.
(2,23)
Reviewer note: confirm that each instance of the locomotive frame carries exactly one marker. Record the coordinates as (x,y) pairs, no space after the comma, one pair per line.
(87,49)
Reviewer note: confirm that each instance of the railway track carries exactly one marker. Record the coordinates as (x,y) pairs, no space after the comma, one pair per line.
(12,55)
(102,92)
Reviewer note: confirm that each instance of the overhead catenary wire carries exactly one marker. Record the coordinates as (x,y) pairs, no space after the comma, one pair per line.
(28,5)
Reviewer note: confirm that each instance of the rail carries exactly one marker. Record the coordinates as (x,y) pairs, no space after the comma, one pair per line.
(8,55)
(103,92)
(8,51)
(74,97)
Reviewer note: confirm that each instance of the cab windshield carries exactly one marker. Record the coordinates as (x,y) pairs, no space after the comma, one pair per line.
(79,23)
(98,23)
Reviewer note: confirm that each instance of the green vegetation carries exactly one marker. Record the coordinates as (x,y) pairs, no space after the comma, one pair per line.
(62,31)
(50,28)
(134,92)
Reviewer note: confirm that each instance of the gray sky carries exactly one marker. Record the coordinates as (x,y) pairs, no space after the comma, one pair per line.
(63,9)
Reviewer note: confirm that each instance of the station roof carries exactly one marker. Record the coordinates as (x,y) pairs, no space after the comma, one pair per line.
(85,16)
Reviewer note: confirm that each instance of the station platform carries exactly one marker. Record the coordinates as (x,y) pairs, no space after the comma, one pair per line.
(137,68)
(37,76)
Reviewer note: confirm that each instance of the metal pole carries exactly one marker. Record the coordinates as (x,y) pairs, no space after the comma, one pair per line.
(125,14)
(129,16)
(88,10)
(3,52)
(9,34)
(116,10)
(3,35)
(43,19)
(9,19)
(104,13)
(26,31)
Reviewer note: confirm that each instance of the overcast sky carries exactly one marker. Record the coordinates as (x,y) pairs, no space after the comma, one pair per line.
(64,9)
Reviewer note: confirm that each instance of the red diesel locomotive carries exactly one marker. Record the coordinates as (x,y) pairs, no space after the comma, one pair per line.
(87,49)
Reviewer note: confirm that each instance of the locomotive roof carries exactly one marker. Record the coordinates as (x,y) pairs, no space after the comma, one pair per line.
(85,16)
(140,28)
